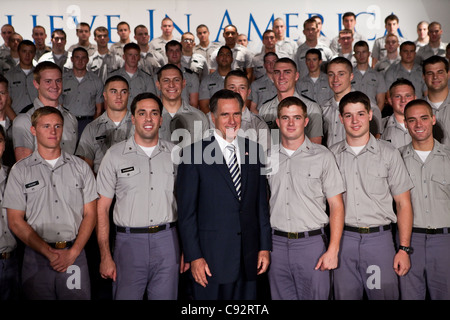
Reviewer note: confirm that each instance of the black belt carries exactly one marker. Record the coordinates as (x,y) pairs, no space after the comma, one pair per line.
(61,244)
(297,235)
(431,230)
(7,255)
(84,117)
(153,229)
(367,229)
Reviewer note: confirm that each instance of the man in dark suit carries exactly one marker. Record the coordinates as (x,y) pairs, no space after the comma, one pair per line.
(224,224)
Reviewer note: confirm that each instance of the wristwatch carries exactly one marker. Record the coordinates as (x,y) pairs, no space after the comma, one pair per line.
(408,250)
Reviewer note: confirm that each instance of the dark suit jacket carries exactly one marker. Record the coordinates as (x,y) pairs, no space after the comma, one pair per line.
(213,223)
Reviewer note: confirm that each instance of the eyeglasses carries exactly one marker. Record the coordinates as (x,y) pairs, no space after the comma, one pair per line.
(188,40)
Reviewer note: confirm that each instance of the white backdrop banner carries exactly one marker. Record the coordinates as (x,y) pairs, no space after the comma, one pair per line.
(251,17)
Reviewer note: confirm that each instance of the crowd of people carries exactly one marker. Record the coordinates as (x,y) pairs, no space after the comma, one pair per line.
(184,168)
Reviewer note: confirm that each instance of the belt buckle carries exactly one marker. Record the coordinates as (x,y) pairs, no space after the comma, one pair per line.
(60,244)
(153,229)
(292,235)
(6,255)
(430,231)
(363,230)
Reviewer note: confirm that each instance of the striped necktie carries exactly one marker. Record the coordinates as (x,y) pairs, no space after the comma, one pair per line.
(233,166)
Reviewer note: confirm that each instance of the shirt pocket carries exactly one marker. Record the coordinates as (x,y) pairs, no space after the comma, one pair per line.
(376,181)
(440,186)
(311,183)
(75,187)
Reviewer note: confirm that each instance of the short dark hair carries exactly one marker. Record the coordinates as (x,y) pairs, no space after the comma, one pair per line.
(354,97)
(143,96)
(434,60)
(237,73)
(401,82)
(407,43)
(315,51)
(417,102)
(80,49)
(292,101)
(341,60)
(115,78)
(169,66)
(173,43)
(361,43)
(26,43)
(130,46)
(4,80)
(224,94)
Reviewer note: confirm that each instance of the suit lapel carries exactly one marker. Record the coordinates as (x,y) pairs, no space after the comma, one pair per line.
(222,166)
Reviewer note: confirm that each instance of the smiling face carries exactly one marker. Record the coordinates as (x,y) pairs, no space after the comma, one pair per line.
(419,120)
(356,119)
(339,78)
(171,84)
(436,77)
(227,118)
(49,86)
(147,120)
(400,96)
(285,75)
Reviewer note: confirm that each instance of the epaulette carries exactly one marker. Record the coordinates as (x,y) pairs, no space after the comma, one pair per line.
(188,70)
(28,107)
(308,98)
(269,99)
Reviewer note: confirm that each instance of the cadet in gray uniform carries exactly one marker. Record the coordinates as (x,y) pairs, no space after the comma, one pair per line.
(366,79)
(214,81)
(407,69)
(9,265)
(284,44)
(285,78)
(340,75)
(151,60)
(171,83)
(83,34)
(435,46)
(428,163)
(302,175)
(82,90)
(190,90)
(51,202)
(103,61)
(435,72)
(263,89)
(391,57)
(391,23)
(48,82)
(140,173)
(113,126)
(393,127)
(59,55)
(374,176)
(20,78)
(138,80)
(314,85)
(159,44)
(123,30)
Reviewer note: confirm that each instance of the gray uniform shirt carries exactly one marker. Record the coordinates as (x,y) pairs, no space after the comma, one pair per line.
(299,186)
(53,198)
(144,186)
(371,83)
(441,129)
(99,135)
(318,91)
(139,83)
(430,196)
(210,85)
(242,58)
(394,133)
(21,88)
(81,97)
(193,114)
(371,179)
(262,91)
(22,136)
(102,65)
(414,75)
(268,112)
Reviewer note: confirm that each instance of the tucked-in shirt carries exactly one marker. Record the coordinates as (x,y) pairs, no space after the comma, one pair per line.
(430,196)
(299,186)
(371,178)
(52,198)
(144,186)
